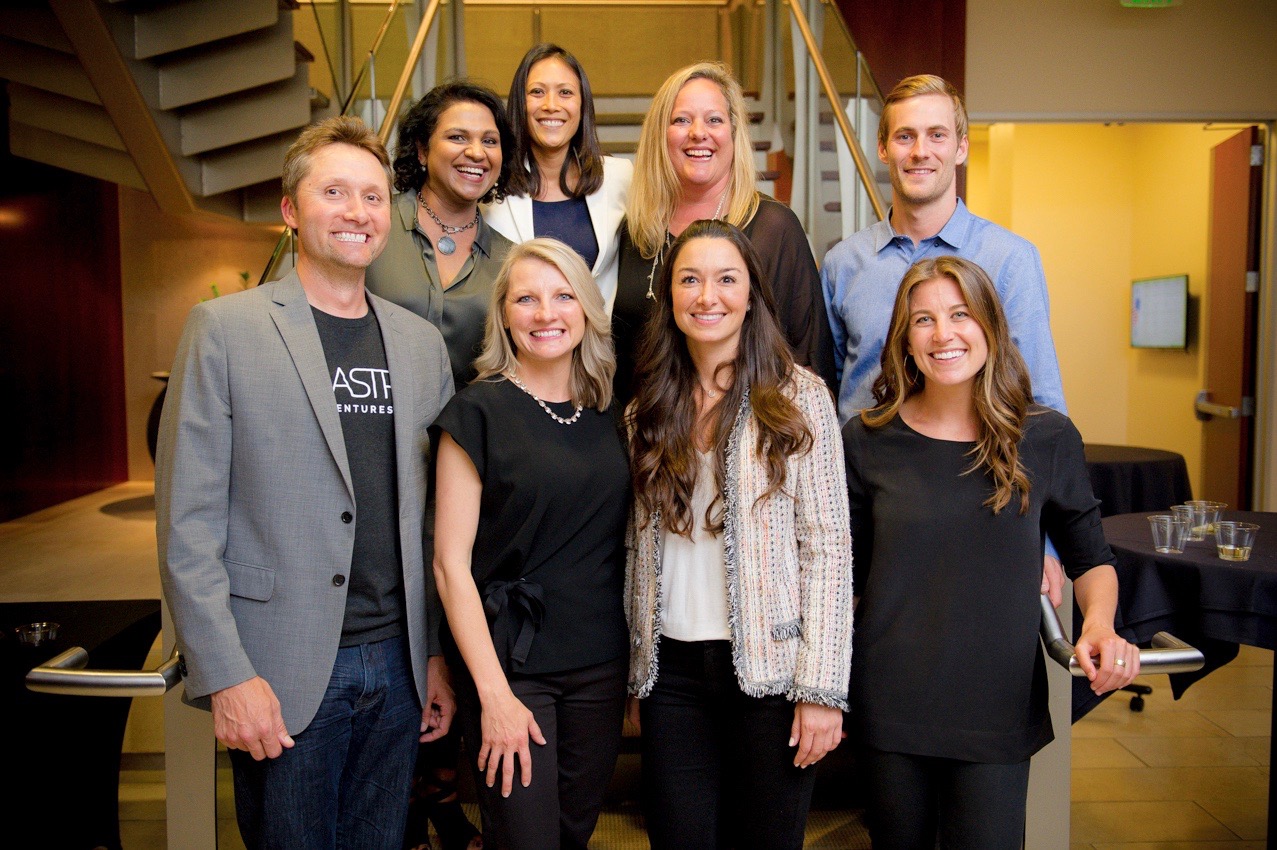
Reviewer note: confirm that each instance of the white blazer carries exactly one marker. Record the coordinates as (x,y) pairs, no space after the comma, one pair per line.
(512,218)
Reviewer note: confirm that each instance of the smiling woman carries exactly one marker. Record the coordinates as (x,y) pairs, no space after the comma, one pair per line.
(954,479)
(739,568)
(530,557)
(441,257)
(561,184)
(696,161)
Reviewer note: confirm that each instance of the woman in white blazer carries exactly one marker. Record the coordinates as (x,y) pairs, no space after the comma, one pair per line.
(561,185)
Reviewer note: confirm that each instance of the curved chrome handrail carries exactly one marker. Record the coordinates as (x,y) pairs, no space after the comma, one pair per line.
(1168,655)
(64,674)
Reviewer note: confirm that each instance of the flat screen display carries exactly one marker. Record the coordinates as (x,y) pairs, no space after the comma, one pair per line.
(1159,312)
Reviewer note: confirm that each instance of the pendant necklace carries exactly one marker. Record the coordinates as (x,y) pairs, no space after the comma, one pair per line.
(514,379)
(446,244)
(656,261)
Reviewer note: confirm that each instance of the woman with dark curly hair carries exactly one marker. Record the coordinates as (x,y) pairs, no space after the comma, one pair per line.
(561,184)
(441,257)
(739,570)
(441,260)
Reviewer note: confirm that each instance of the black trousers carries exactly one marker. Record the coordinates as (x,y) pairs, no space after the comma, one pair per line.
(718,770)
(914,799)
(580,714)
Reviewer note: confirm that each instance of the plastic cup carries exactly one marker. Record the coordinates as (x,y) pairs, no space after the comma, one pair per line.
(1187,514)
(1234,540)
(1169,533)
(1205,515)
(35,634)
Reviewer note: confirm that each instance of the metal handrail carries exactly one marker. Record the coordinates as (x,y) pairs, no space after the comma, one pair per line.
(842,25)
(64,674)
(372,52)
(840,116)
(414,53)
(387,124)
(1168,655)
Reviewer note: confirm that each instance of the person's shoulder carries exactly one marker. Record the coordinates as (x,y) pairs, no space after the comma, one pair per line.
(618,168)
(238,307)
(992,235)
(1047,424)
(484,392)
(806,384)
(849,251)
(855,432)
(772,213)
(498,244)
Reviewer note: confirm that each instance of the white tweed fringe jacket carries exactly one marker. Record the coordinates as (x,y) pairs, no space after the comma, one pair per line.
(788,562)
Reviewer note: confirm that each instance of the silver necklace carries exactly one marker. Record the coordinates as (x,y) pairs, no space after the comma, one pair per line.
(447,244)
(661,250)
(514,379)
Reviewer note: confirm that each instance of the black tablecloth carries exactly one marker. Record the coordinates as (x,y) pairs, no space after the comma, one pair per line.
(1196,593)
(1210,603)
(62,754)
(1126,479)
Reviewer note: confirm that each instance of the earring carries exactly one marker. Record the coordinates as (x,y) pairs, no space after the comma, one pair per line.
(911,378)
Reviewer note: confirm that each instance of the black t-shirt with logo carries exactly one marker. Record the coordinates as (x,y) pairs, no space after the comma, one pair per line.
(362,391)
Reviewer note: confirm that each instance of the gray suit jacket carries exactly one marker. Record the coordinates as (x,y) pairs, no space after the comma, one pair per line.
(255,511)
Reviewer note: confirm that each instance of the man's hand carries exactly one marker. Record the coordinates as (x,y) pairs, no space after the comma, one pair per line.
(441,702)
(247,717)
(1053,580)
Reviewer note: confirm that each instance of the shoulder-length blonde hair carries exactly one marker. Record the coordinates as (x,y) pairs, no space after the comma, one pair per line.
(593,362)
(1002,392)
(655,192)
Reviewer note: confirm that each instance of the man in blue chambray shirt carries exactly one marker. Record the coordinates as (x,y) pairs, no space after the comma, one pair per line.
(922,137)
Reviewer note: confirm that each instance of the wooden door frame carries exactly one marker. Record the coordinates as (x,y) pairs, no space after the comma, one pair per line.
(1265,477)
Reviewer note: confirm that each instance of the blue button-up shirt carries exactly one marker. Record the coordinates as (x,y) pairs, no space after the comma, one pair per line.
(862,273)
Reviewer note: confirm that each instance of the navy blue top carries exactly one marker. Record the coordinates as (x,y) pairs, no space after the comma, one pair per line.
(569,222)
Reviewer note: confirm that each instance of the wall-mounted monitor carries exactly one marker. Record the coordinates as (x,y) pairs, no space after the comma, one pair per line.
(1159,312)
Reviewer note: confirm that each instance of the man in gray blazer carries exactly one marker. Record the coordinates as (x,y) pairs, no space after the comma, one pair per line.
(290,495)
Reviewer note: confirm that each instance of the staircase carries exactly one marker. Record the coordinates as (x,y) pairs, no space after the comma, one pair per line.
(195,102)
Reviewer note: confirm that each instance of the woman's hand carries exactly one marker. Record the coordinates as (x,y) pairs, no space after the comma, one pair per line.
(632,712)
(507,725)
(817,729)
(1119,660)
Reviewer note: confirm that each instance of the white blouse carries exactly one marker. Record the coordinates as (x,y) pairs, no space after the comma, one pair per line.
(694,573)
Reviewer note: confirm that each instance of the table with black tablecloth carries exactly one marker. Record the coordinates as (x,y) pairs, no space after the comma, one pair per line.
(62,753)
(1208,602)
(1129,478)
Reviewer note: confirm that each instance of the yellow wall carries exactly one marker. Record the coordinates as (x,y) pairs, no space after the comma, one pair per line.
(167,266)
(1106,205)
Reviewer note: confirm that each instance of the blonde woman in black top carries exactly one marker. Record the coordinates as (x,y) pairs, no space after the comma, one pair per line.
(532,492)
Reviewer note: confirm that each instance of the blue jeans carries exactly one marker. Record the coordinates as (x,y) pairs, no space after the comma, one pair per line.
(346,781)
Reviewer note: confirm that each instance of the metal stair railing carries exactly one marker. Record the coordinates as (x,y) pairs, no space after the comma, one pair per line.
(287,244)
(858,193)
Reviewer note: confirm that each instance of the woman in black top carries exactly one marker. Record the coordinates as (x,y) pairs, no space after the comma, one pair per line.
(696,161)
(954,478)
(532,488)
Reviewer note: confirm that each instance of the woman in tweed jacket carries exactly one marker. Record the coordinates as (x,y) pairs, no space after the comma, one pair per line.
(739,571)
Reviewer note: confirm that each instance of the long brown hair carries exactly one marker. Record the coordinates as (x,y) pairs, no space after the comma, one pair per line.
(1002,392)
(663,415)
